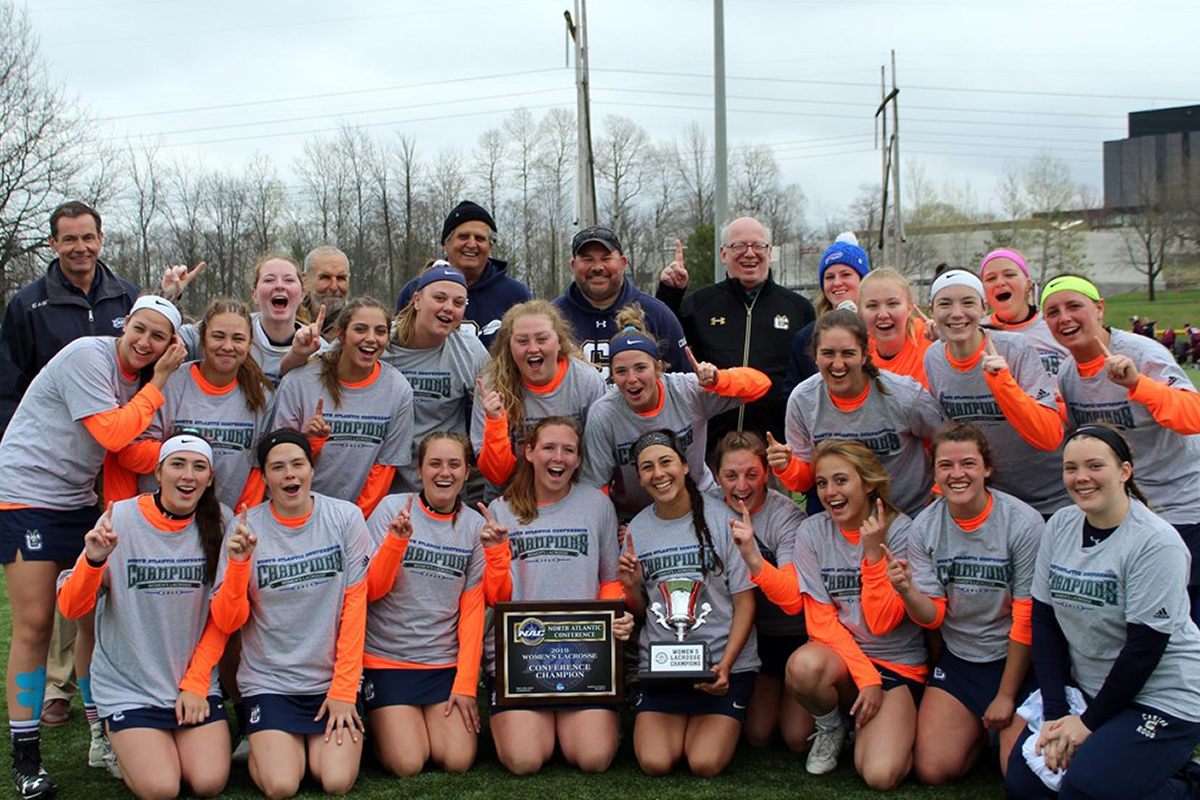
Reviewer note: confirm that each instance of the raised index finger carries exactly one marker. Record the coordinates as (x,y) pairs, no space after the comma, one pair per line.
(194,272)
(692,359)
(320,323)
(991,347)
(1103,349)
(679,252)
(408,505)
(745,511)
(320,410)
(487,515)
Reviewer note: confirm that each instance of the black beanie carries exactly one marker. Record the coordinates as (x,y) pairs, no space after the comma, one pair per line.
(466,211)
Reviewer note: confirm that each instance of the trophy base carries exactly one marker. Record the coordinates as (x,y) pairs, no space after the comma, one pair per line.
(680,678)
(678,662)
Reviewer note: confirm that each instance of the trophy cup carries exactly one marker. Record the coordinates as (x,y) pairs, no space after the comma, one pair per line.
(677,612)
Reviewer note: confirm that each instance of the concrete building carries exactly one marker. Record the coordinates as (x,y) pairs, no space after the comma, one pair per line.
(1159,160)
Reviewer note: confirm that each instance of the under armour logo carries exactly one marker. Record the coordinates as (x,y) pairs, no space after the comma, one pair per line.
(601,323)
(717,321)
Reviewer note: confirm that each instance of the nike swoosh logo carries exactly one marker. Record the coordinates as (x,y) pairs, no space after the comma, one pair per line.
(739,706)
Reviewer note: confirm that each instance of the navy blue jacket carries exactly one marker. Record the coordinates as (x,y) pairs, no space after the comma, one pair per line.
(49,314)
(594,327)
(487,299)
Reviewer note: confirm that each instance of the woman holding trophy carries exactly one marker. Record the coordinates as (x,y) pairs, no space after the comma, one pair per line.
(682,572)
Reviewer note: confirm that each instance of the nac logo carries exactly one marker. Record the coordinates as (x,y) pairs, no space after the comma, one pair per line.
(531,631)
(369,691)
(255,714)
(33,540)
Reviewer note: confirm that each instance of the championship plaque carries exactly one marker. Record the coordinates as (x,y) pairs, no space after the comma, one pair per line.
(681,612)
(555,653)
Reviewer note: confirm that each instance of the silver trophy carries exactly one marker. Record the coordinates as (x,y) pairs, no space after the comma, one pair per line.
(677,612)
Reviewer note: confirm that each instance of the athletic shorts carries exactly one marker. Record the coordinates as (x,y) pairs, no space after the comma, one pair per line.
(683,699)
(283,712)
(494,709)
(894,680)
(406,687)
(774,652)
(43,534)
(161,718)
(974,684)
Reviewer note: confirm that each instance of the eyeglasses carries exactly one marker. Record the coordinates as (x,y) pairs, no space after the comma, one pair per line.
(737,248)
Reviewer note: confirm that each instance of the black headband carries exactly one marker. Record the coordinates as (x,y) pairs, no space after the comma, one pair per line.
(663,437)
(282,436)
(1109,436)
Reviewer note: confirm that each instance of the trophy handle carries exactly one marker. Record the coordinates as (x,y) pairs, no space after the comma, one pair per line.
(705,610)
(657,609)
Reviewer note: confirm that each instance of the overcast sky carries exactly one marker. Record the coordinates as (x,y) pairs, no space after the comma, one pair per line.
(984,85)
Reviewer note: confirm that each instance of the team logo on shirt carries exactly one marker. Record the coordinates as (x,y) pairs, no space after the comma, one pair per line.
(119,324)
(1050,361)
(436,560)
(842,582)
(230,436)
(782,322)
(1150,725)
(568,542)
(979,573)
(972,409)
(33,539)
(881,443)
(429,385)
(684,560)
(158,574)
(1120,416)
(293,571)
(717,321)
(1076,588)
(684,435)
(357,428)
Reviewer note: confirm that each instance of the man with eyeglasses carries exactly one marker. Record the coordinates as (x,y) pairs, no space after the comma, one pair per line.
(600,290)
(747,320)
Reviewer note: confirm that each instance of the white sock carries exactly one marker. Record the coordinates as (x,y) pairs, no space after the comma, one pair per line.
(828,721)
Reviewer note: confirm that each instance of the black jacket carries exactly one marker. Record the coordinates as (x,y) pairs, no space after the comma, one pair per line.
(47,315)
(725,328)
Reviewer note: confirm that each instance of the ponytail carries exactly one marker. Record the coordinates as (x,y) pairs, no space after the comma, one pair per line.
(710,559)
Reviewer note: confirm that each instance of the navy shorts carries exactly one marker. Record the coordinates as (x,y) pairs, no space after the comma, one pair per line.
(282,712)
(974,684)
(43,534)
(161,718)
(493,709)
(774,652)
(894,680)
(677,699)
(406,687)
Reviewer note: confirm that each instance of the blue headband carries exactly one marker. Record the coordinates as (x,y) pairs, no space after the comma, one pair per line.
(632,339)
(440,271)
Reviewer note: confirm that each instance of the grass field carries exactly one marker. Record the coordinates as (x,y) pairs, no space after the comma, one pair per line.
(772,772)
(1169,309)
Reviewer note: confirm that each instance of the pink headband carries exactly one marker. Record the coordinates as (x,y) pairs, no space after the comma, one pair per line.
(1011,255)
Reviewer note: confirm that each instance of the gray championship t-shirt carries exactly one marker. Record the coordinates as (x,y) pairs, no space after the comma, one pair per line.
(266,353)
(1038,333)
(613,427)
(298,580)
(150,612)
(417,621)
(776,524)
(1033,475)
(892,426)
(1168,463)
(668,550)
(979,573)
(48,459)
(830,571)
(443,383)
(1137,575)
(373,425)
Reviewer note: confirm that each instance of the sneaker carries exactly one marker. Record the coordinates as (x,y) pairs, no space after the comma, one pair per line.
(826,747)
(241,753)
(31,780)
(100,752)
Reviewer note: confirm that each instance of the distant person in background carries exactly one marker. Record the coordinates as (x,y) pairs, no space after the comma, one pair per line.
(1136,325)
(747,320)
(467,237)
(327,279)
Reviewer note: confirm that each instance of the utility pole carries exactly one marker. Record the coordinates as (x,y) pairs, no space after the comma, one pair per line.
(898,225)
(890,160)
(721,172)
(881,138)
(585,180)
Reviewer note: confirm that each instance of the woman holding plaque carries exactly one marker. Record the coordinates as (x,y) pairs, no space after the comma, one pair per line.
(549,538)
(860,654)
(680,549)
(425,618)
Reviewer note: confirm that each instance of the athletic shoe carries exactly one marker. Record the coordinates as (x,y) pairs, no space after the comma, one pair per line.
(31,780)
(826,747)
(241,753)
(100,752)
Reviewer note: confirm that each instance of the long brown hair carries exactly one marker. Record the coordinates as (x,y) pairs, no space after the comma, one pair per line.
(468,459)
(209,521)
(521,494)
(254,384)
(869,470)
(848,321)
(329,359)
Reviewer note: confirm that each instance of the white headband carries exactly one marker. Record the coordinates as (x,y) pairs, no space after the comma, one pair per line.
(185,442)
(161,305)
(956,277)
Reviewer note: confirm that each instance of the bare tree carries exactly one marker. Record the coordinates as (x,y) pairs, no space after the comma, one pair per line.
(556,169)
(620,153)
(265,202)
(147,190)
(1152,230)
(522,134)
(489,166)
(693,158)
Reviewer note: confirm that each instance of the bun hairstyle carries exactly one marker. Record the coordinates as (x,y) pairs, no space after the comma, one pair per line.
(963,432)
(869,470)
(329,359)
(634,316)
(880,274)
(849,321)
(254,384)
(710,559)
(521,493)
(1121,451)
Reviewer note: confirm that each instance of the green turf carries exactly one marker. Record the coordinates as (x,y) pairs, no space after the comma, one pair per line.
(767,773)
(1170,308)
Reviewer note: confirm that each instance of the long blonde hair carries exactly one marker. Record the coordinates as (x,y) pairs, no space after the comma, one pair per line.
(892,274)
(501,373)
(869,470)
(405,323)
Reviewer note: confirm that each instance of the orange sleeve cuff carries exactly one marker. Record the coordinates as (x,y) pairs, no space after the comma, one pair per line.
(882,608)
(117,427)
(781,585)
(1038,425)
(140,457)
(939,615)
(317,443)
(230,606)
(823,625)
(612,590)
(1172,408)
(798,476)
(745,382)
(352,631)
(117,483)
(470,641)
(78,593)
(1022,621)
(208,652)
(254,490)
(379,480)
(381,574)
(496,459)
(497,574)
